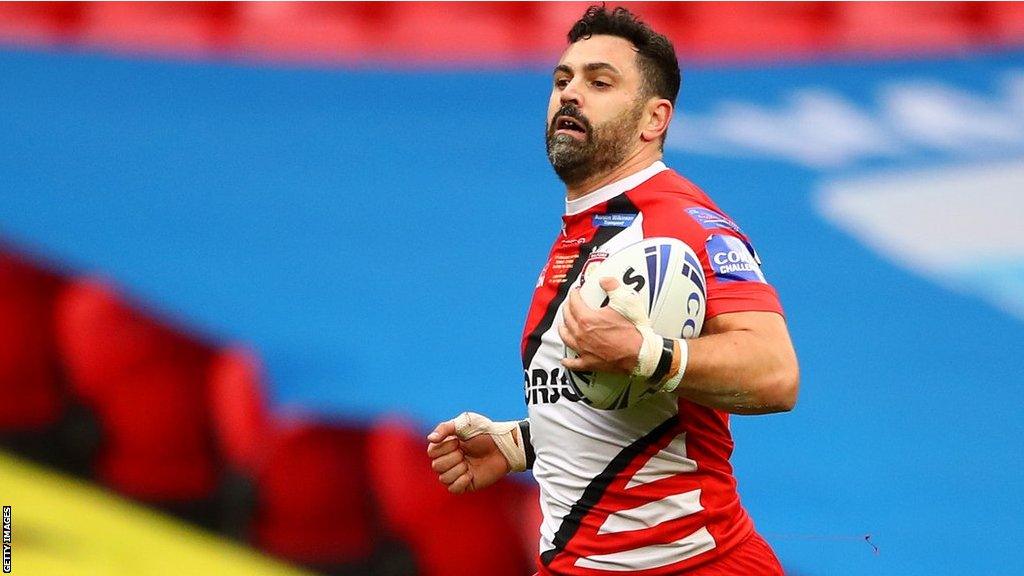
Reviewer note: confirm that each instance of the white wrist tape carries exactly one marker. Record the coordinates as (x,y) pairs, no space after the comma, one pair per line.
(650,353)
(628,303)
(505,435)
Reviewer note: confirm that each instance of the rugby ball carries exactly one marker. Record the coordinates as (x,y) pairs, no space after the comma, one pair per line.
(667,275)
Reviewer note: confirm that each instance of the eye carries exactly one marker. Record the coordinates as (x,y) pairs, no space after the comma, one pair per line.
(561,83)
(600,84)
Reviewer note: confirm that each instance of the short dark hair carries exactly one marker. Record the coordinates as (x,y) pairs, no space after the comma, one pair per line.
(656,57)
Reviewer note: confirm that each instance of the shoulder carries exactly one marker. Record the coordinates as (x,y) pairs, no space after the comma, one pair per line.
(672,205)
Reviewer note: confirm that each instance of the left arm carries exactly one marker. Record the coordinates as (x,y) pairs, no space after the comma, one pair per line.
(744,363)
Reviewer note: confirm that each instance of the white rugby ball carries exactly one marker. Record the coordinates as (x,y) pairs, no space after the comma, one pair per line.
(667,275)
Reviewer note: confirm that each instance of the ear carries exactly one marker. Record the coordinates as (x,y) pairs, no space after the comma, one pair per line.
(658,117)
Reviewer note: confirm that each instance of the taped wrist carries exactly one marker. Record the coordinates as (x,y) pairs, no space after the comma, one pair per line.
(662,361)
(650,352)
(506,436)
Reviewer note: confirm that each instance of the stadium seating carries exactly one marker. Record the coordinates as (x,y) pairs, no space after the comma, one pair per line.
(503,32)
(434,523)
(303,481)
(145,384)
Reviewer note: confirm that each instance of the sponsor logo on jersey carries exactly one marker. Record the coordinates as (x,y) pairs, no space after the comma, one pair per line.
(733,260)
(710,219)
(560,265)
(549,386)
(613,220)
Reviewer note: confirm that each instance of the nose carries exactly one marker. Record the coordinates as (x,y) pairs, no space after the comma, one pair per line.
(571,94)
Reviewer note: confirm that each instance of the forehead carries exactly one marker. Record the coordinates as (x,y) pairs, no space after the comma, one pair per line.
(613,50)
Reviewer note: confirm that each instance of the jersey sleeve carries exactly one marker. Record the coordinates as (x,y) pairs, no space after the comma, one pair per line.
(732,267)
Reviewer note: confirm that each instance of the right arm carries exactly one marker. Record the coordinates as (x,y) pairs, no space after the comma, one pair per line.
(470,452)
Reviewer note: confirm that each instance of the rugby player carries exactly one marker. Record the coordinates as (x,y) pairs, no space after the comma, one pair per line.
(646,489)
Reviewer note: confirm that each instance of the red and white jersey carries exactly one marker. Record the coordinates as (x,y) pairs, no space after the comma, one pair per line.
(646,489)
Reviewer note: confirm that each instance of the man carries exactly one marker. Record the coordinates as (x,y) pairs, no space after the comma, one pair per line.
(646,489)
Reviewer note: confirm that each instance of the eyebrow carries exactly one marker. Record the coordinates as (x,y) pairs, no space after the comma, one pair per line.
(592,67)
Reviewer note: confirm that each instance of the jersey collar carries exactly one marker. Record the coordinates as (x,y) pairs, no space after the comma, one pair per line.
(607,192)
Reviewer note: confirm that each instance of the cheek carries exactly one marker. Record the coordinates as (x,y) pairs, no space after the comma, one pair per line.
(610,112)
(554,103)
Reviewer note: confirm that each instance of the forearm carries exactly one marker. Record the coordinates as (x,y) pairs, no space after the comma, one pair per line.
(742,372)
(744,363)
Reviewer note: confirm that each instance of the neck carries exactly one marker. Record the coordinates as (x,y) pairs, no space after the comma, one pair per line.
(641,159)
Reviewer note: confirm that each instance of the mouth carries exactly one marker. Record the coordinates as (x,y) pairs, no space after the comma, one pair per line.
(570,126)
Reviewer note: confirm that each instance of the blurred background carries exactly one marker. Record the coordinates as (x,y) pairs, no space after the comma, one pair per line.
(251,253)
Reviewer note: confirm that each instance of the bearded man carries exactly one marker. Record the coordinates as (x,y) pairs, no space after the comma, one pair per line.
(646,489)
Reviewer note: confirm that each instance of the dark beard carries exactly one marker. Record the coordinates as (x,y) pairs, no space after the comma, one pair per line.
(604,148)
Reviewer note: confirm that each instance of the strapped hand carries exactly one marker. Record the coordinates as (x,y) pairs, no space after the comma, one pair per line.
(471,452)
(627,302)
(605,341)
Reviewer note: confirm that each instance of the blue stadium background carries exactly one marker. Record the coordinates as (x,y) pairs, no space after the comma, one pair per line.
(375,236)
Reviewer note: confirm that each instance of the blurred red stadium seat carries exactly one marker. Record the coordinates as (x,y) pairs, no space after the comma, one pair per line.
(31,398)
(899,27)
(312,503)
(549,24)
(308,479)
(434,523)
(452,32)
(155,443)
(528,517)
(238,407)
(1005,21)
(318,31)
(703,29)
(757,30)
(38,23)
(543,37)
(171,27)
(145,384)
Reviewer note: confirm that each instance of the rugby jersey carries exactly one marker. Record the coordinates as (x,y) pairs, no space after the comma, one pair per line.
(646,489)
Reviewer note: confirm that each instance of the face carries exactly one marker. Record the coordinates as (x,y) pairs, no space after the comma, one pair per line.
(595,109)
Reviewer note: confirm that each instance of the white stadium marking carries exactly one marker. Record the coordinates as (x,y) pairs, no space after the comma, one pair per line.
(900,120)
(961,226)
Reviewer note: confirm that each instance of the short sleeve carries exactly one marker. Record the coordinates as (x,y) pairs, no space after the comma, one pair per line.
(732,267)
